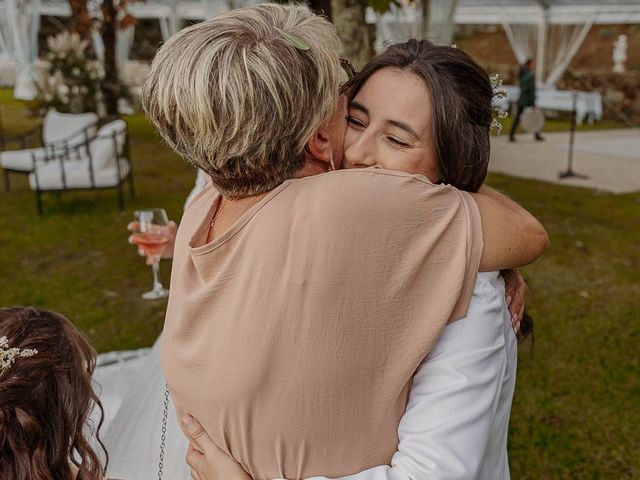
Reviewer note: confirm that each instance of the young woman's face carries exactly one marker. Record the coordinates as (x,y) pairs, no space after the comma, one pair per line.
(389,125)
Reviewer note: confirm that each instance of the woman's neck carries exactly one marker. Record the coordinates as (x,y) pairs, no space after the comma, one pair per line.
(229,211)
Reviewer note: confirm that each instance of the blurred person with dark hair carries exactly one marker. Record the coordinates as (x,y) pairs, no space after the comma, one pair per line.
(527,98)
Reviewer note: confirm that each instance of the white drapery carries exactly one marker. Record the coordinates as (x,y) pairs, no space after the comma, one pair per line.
(21,22)
(124,42)
(5,38)
(563,42)
(441,21)
(553,45)
(400,24)
(523,38)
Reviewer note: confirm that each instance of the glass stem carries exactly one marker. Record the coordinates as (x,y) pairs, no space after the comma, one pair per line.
(155,267)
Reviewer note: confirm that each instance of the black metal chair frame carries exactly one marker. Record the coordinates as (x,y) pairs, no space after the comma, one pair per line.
(69,152)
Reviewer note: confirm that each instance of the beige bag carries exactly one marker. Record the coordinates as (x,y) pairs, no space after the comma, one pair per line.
(532,119)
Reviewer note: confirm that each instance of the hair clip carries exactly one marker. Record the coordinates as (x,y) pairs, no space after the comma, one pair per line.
(8,355)
(293,40)
(498,93)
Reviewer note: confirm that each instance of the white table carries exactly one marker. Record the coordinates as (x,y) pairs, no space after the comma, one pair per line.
(588,104)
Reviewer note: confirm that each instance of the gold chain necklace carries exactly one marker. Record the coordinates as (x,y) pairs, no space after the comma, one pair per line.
(215,215)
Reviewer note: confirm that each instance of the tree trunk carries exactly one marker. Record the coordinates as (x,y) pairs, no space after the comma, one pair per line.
(425,17)
(356,35)
(111,81)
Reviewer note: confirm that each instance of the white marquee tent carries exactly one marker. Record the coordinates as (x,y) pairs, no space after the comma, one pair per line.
(20,23)
(550,30)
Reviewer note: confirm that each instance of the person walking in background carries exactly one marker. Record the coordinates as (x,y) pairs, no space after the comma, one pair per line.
(527,98)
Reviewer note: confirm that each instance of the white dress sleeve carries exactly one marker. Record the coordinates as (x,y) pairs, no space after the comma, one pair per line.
(201,182)
(449,427)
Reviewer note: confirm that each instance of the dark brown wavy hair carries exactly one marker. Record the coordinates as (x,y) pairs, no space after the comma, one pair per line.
(46,400)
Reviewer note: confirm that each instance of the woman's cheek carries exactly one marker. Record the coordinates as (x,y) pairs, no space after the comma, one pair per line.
(349,137)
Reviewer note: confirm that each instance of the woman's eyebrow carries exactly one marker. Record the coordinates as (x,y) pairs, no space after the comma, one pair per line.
(358,106)
(404,127)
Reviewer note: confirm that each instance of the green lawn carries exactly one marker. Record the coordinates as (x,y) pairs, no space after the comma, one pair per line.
(575,414)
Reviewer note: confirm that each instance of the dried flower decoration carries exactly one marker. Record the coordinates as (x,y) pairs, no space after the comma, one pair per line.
(8,355)
(293,40)
(498,94)
(71,82)
(67,42)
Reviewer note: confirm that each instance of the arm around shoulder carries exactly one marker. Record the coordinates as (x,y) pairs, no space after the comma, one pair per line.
(512,236)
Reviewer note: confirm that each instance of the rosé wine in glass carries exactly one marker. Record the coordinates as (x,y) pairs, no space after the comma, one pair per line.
(151,238)
(151,243)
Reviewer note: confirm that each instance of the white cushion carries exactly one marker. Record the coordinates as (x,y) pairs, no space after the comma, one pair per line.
(76,175)
(21,159)
(67,126)
(57,126)
(103,147)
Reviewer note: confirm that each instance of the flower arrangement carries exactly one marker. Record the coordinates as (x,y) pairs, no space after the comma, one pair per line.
(498,93)
(71,83)
(8,355)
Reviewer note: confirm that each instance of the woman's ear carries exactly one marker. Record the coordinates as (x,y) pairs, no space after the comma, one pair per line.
(319,146)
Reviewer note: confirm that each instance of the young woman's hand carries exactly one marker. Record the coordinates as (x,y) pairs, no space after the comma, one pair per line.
(516,291)
(206,460)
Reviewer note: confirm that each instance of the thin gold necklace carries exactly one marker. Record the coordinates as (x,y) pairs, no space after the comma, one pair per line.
(215,215)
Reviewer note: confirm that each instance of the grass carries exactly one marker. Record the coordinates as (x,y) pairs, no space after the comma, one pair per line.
(575,413)
(76,259)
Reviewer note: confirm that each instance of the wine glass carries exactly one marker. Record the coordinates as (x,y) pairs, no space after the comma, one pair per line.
(151,238)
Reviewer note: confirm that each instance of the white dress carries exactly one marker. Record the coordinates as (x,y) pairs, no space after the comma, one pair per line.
(455,425)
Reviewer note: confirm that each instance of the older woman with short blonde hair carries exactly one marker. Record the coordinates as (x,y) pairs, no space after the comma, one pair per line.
(221,91)
(302,299)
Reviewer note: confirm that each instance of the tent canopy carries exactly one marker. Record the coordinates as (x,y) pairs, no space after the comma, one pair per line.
(488,12)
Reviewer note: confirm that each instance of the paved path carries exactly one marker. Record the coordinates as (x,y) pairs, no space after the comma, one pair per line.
(610,158)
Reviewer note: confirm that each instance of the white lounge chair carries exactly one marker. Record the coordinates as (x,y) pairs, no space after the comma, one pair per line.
(58,132)
(101,162)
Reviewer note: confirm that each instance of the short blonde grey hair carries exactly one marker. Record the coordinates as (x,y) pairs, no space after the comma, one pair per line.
(237,99)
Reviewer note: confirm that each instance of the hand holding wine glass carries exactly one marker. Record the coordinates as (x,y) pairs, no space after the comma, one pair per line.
(167,252)
(152,237)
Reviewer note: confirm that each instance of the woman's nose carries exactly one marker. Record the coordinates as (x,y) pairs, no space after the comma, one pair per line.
(359,154)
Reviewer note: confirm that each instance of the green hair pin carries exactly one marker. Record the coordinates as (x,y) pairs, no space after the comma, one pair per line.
(293,40)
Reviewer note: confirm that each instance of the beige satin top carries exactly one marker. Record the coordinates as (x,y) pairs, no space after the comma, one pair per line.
(293,336)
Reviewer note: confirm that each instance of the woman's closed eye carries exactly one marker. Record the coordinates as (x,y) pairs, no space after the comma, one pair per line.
(397,142)
(355,122)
